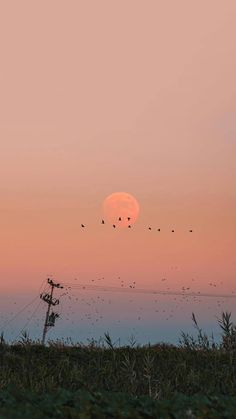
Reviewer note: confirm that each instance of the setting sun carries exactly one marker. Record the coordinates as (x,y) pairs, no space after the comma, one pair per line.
(121,209)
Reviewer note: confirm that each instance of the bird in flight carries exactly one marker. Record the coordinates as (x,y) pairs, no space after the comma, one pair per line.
(129,226)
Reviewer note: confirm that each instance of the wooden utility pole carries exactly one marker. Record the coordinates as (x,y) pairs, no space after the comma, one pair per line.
(48,298)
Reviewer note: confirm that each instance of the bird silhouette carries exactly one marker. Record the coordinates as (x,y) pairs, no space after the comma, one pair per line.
(82,225)
(128,218)
(149,228)
(173,231)
(119,218)
(129,226)
(103,222)
(114,226)
(190,231)
(158,229)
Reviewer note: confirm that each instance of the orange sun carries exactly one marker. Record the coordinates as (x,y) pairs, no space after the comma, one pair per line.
(121,209)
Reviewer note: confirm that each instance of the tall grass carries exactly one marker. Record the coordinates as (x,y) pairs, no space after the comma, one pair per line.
(196,365)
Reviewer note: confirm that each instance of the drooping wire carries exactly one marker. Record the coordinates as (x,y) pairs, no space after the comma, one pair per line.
(23,309)
(42,285)
(28,321)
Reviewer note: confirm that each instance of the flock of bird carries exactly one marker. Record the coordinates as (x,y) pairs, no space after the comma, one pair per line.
(96,309)
(93,309)
(129,225)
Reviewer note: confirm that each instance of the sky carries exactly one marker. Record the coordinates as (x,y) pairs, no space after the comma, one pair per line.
(100,97)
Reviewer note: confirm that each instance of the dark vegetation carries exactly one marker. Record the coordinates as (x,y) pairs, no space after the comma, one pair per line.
(196,379)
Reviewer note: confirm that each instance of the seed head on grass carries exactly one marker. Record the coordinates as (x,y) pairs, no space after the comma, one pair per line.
(108,340)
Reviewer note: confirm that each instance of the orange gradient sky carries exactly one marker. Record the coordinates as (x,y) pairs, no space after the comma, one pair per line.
(99,97)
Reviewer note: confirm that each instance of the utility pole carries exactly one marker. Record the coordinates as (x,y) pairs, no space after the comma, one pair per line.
(50,317)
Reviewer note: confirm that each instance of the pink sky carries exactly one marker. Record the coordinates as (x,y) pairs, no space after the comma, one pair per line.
(99,97)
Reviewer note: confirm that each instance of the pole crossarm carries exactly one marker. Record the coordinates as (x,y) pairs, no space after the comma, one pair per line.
(49,300)
(53,284)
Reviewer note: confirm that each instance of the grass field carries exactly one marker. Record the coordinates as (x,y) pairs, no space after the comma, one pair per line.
(196,379)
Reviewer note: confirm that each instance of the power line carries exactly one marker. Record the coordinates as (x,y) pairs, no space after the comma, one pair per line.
(19,312)
(24,307)
(42,285)
(145,291)
(28,321)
